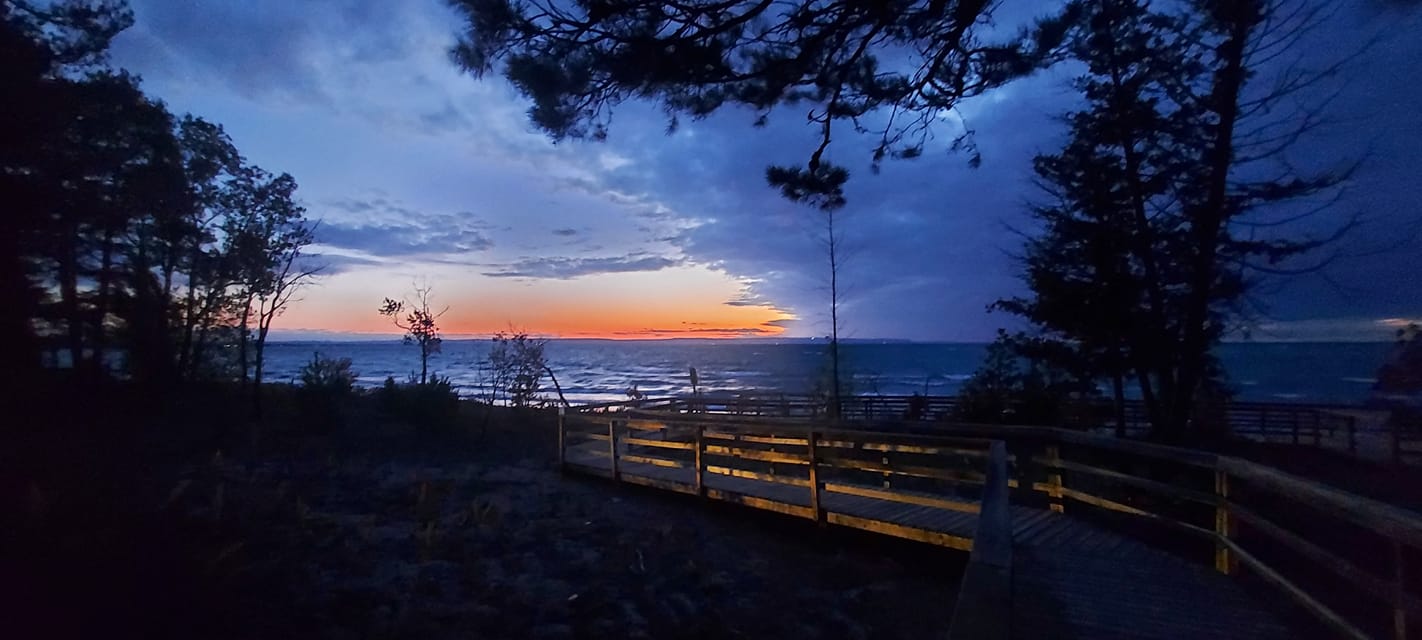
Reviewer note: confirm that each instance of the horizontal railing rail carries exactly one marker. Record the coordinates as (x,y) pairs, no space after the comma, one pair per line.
(1334,427)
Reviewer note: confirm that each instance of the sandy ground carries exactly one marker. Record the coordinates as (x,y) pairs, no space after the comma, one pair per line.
(469,540)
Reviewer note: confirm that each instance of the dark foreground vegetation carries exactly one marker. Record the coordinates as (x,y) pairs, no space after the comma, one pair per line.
(132,516)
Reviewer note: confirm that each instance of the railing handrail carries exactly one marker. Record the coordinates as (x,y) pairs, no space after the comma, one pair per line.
(984,607)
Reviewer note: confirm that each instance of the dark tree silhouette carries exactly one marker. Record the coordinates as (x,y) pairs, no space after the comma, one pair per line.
(121,234)
(577,61)
(419,324)
(1149,242)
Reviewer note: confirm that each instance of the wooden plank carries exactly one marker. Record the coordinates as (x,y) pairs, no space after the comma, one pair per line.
(937,538)
(760,503)
(657,483)
(756,439)
(839,462)
(1315,607)
(754,475)
(656,462)
(756,454)
(661,444)
(897,496)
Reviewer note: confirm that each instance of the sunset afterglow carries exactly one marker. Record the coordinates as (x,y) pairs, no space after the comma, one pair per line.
(678,302)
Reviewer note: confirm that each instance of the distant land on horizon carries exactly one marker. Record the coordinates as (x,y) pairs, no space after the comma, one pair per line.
(300,337)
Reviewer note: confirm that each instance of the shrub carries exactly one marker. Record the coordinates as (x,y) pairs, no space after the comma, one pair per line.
(431,408)
(518,365)
(326,384)
(1009,388)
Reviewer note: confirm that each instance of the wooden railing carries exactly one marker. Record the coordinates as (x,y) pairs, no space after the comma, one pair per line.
(1324,426)
(1347,560)
(1341,557)
(941,471)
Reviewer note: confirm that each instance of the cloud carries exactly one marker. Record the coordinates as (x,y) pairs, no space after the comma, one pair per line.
(335,260)
(928,245)
(560,268)
(379,226)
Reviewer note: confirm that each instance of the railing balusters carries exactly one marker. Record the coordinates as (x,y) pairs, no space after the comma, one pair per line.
(1054,479)
(813,445)
(700,463)
(612,447)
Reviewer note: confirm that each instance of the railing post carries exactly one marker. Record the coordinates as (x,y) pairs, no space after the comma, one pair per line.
(1317,428)
(1224,527)
(612,448)
(1295,421)
(562,439)
(1399,616)
(700,464)
(813,446)
(1054,479)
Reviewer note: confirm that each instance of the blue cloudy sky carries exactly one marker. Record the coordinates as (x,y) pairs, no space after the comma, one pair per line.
(421,173)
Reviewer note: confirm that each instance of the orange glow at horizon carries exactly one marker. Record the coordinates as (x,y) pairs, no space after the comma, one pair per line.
(680,302)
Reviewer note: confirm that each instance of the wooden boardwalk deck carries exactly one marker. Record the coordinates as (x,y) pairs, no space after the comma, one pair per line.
(1070,579)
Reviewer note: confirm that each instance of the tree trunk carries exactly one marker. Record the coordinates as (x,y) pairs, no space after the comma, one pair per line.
(424,361)
(242,339)
(1210,218)
(69,297)
(834,409)
(1118,390)
(101,302)
(264,322)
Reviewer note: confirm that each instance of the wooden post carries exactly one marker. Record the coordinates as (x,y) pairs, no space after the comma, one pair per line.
(813,446)
(612,448)
(1399,616)
(1295,426)
(700,465)
(1224,528)
(1317,428)
(562,439)
(1054,479)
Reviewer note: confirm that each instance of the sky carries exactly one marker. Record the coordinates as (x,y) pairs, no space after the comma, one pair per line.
(421,175)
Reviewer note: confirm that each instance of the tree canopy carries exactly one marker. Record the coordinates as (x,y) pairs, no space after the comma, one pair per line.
(889,69)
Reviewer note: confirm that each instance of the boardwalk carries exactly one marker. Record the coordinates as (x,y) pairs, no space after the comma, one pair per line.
(1071,579)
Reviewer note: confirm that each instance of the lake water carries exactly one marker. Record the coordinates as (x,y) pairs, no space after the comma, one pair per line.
(603,370)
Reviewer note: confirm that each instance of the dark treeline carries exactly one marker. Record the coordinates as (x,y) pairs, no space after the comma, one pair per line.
(1173,196)
(138,244)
